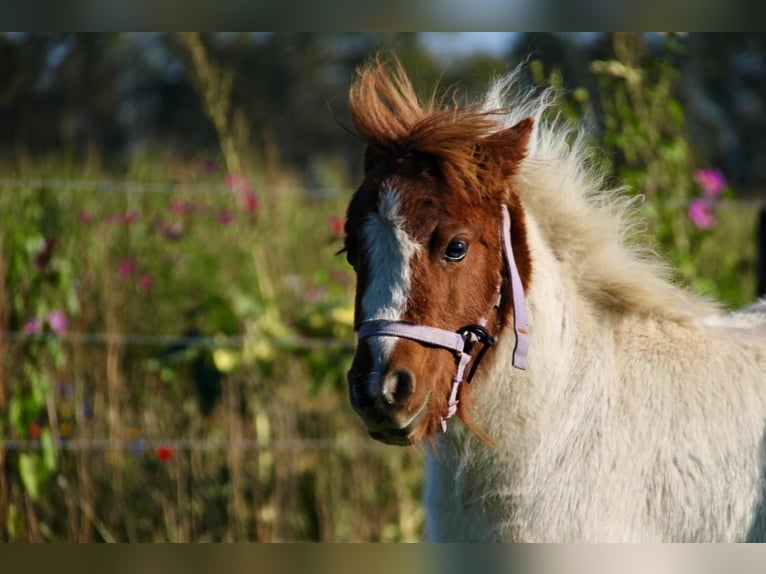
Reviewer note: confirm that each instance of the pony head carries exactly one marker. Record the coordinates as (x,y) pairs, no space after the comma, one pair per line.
(424,235)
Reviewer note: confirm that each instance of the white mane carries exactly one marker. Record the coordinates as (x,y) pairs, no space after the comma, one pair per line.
(641,415)
(591,228)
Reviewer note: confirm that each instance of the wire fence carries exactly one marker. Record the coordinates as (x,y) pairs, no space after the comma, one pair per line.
(135,187)
(139,446)
(752,201)
(141,339)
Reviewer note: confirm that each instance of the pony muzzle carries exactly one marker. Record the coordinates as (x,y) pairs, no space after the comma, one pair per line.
(385,404)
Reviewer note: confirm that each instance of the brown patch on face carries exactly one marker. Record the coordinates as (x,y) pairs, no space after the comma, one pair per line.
(451,170)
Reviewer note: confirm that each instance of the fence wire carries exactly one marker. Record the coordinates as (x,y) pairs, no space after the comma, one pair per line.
(176,340)
(131,187)
(751,201)
(140,446)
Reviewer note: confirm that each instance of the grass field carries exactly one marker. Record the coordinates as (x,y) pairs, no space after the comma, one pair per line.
(174,351)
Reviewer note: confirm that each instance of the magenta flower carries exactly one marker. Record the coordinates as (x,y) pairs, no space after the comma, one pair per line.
(58,322)
(144,283)
(173,230)
(85,216)
(126,267)
(33,326)
(181,207)
(209,166)
(225,217)
(701,212)
(711,181)
(129,217)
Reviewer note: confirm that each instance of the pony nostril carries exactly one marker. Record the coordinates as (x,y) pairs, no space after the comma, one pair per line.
(398,387)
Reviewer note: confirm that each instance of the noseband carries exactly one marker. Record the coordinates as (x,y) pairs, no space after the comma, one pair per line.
(463,341)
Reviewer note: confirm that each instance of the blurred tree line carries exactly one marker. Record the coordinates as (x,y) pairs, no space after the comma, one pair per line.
(122,94)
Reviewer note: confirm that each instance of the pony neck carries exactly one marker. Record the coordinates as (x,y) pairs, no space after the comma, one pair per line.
(556,346)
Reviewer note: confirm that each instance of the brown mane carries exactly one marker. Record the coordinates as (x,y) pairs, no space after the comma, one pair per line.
(397,126)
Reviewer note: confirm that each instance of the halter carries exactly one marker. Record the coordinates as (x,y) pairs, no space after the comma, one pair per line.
(463,341)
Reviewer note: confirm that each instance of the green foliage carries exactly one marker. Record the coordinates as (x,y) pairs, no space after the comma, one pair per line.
(645,140)
(257,311)
(41,303)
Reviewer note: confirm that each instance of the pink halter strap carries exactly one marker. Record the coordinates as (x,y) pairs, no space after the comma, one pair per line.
(463,341)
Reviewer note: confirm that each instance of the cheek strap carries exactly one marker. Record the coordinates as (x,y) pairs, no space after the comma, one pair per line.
(463,341)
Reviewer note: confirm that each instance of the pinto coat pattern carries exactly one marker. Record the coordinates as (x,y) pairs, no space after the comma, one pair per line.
(641,415)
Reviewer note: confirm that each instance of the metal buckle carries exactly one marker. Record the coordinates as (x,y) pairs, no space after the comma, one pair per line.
(481,334)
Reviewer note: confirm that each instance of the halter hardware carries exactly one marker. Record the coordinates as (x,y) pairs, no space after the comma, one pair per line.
(463,341)
(481,336)
(473,334)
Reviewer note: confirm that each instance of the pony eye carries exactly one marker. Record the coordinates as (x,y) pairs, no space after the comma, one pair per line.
(456,250)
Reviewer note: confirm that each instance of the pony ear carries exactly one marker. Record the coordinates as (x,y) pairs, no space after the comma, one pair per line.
(507,148)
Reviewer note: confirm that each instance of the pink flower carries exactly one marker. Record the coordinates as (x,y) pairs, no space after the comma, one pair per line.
(711,181)
(85,216)
(701,212)
(126,267)
(144,283)
(336,225)
(129,217)
(58,322)
(244,190)
(209,166)
(238,183)
(33,326)
(181,207)
(173,230)
(225,217)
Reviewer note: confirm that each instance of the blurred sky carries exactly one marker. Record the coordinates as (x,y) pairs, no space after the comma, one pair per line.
(450,44)
(447,45)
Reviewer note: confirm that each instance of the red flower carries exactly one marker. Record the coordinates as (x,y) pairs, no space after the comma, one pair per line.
(336,225)
(34,431)
(244,190)
(144,283)
(248,201)
(128,217)
(164,453)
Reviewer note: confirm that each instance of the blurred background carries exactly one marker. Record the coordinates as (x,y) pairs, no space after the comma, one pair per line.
(175,326)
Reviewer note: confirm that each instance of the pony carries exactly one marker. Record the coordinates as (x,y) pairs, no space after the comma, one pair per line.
(499,279)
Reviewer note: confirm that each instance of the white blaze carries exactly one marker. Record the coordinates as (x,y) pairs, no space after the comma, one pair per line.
(389,253)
